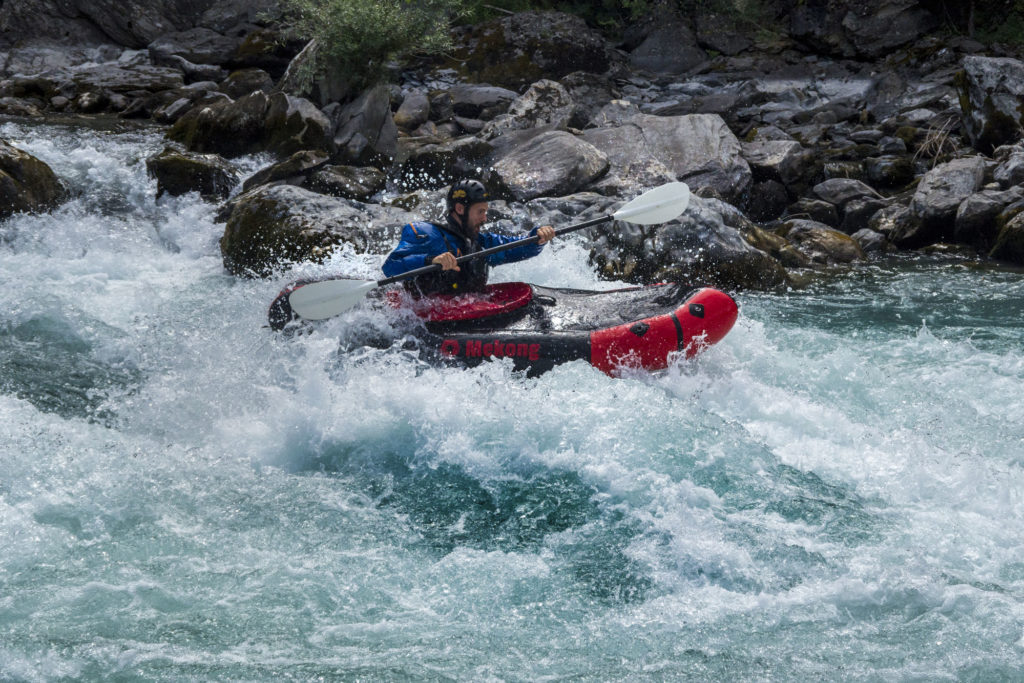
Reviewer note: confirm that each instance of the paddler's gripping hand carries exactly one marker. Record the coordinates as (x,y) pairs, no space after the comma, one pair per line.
(446,261)
(545,234)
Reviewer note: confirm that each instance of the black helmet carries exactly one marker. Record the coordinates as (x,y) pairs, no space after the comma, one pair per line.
(467,191)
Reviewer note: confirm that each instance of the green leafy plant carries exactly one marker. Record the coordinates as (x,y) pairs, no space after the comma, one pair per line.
(358,38)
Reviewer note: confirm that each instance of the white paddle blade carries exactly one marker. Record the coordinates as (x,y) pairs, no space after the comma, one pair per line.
(659,205)
(328,298)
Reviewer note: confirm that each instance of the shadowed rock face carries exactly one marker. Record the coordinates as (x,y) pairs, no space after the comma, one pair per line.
(515,51)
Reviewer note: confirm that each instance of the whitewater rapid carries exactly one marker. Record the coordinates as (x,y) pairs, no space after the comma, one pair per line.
(834,492)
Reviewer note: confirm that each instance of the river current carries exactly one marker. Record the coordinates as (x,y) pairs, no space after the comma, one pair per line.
(834,492)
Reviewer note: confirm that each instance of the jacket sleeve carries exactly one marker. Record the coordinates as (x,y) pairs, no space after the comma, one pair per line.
(490,239)
(413,251)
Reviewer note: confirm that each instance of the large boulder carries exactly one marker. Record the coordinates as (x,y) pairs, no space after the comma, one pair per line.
(551,163)
(977,218)
(1009,245)
(697,148)
(365,133)
(785,161)
(992,100)
(276,123)
(932,211)
(704,246)
(178,173)
(274,225)
(348,182)
(891,24)
(546,104)
(852,28)
(517,50)
(196,45)
(669,49)
(295,170)
(26,183)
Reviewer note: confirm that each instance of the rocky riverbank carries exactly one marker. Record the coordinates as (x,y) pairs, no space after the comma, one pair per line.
(807,147)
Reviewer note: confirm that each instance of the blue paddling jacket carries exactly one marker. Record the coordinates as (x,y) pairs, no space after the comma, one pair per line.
(422,242)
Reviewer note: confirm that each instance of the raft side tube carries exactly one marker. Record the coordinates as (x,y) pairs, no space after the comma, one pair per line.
(704,319)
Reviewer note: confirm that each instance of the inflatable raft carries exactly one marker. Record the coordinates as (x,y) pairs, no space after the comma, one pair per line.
(540,327)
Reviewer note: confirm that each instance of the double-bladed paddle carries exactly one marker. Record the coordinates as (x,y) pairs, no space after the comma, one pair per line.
(328,298)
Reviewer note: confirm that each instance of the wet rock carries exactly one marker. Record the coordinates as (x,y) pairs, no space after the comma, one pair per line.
(871,241)
(858,212)
(546,104)
(889,171)
(815,210)
(1010,171)
(26,183)
(669,49)
(349,182)
(172,111)
(768,200)
(706,246)
(279,224)
(890,220)
(939,194)
(292,171)
(365,133)
(992,100)
(178,173)
(257,122)
(517,50)
(1009,244)
(16,106)
(244,81)
(552,163)
(821,243)
(432,163)
(414,111)
(785,161)
(977,217)
(840,191)
(481,101)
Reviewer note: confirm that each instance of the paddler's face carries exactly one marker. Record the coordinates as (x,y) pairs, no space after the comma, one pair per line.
(472,218)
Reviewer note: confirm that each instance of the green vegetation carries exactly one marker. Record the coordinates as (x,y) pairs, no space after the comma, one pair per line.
(989,21)
(360,37)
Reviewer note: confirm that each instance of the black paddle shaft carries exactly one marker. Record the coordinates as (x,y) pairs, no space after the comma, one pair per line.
(493,250)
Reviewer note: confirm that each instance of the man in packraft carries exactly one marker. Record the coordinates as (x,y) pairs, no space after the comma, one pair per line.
(424,243)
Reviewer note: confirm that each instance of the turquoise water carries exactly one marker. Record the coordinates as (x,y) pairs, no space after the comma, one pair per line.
(832,493)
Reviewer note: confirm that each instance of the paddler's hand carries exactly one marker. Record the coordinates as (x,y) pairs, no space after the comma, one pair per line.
(446,261)
(545,234)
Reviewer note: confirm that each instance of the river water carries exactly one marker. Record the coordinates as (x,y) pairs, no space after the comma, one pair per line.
(834,492)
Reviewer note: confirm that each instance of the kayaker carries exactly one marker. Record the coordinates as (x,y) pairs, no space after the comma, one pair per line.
(426,242)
